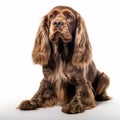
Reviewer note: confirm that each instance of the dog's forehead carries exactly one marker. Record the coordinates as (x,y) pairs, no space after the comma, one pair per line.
(62,8)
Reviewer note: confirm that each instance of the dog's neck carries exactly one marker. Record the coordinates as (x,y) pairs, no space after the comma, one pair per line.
(62,51)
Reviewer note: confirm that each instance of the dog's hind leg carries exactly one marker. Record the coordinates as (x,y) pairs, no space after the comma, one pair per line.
(100,85)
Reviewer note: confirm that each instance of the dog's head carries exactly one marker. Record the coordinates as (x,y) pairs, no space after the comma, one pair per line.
(64,24)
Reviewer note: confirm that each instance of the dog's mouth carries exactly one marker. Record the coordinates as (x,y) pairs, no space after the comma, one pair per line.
(65,36)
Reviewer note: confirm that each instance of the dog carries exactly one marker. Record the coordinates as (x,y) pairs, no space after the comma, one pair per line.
(71,79)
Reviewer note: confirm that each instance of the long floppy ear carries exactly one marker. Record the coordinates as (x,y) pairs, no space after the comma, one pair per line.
(41,51)
(82,50)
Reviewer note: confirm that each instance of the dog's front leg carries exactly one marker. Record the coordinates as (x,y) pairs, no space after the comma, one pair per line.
(83,99)
(44,97)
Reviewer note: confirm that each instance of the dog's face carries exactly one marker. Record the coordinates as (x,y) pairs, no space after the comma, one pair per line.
(62,24)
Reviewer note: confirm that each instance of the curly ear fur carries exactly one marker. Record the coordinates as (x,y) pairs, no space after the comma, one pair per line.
(41,51)
(82,51)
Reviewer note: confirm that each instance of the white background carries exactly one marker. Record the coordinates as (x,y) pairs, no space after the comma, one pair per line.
(20,78)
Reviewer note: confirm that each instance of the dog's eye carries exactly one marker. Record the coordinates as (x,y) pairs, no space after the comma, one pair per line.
(52,16)
(69,16)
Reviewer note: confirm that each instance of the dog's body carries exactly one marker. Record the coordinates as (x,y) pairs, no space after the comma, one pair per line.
(70,79)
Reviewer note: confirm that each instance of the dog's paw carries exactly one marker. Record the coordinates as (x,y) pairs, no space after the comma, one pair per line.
(27,105)
(102,97)
(72,108)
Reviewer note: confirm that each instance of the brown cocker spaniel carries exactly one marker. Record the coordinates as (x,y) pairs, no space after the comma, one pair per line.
(71,79)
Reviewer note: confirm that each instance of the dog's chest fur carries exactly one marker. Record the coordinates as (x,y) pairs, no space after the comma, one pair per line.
(61,74)
(60,78)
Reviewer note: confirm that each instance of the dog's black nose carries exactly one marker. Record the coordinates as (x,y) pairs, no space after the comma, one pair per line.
(58,23)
